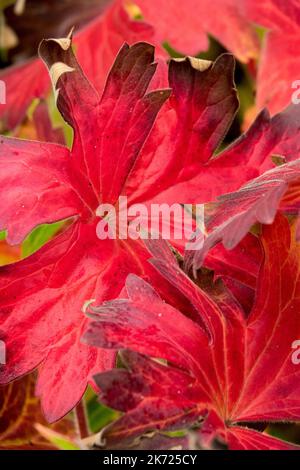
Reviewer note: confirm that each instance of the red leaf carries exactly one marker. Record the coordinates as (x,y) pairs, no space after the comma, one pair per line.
(154,394)
(108,31)
(258,201)
(238,268)
(246,439)
(245,376)
(110,130)
(238,438)
(46,168)
(35,84)
(42,296)
(41,311)
(275,78)
(43,126)
(189,129)
(185,25)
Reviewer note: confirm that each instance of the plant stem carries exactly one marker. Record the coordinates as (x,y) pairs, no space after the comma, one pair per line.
(81,420)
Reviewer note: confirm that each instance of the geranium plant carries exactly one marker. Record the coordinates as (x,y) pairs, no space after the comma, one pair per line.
(124,329)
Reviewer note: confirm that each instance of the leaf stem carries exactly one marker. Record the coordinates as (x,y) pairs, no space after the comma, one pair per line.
(81,420)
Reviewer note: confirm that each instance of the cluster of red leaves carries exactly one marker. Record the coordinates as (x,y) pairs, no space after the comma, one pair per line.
(281,19)
(151,132)
(181,25)
(224,367)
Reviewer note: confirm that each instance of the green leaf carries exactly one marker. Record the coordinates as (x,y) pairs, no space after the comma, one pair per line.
(39,237)
(99,415)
